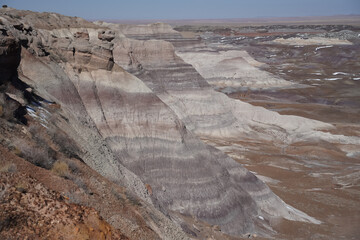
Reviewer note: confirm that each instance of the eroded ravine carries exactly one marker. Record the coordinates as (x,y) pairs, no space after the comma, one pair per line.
(137,111)
(319,176)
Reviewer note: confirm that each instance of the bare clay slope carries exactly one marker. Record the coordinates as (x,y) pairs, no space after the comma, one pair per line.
(185,175)
(128,134)
(261,139)
(208,113)
(190,96)
(42,69)
(138,131)
(211,115)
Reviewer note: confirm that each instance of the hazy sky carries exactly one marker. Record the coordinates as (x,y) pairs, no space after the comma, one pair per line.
(188,9)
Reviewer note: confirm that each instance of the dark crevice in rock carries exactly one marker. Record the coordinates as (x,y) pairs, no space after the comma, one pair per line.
(20,113)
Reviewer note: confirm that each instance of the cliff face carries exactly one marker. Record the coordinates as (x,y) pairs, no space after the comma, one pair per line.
(57,122)
(144,32)
(212,115)
(135,112)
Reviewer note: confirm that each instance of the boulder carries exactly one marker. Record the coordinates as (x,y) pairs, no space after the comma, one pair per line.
(106,35)
(83,35)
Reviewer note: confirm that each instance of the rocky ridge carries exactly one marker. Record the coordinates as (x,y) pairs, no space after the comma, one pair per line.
(136,110)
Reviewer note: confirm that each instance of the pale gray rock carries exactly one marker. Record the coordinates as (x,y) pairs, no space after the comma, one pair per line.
(106,35)
(137,110)
(213,115)
(231,69)
(144,32)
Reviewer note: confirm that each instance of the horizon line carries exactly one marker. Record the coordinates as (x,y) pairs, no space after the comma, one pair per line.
(212,19)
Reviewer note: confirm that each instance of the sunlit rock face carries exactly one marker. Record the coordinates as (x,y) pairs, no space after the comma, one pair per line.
(232,69)
(204,111)
(241,129)
(144,32)
(138,110)
(208,113)
(185,175)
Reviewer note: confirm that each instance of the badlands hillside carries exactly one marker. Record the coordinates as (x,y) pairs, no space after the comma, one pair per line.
(111,131)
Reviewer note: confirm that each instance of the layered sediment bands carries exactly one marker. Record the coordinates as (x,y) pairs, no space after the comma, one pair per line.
(53,82)
(208,113)
(146,136)
(234,69)
(155,31)
(130,52)
(144,32)
(231,69)
(184,174)
(116,120)
(214,116)
(51,79)
(168,69)
(138,131)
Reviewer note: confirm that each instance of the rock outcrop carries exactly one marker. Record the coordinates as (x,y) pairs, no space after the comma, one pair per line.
(231,69)
(144,32)
(136,112)
(45,74)
(212,115)
(144,134)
